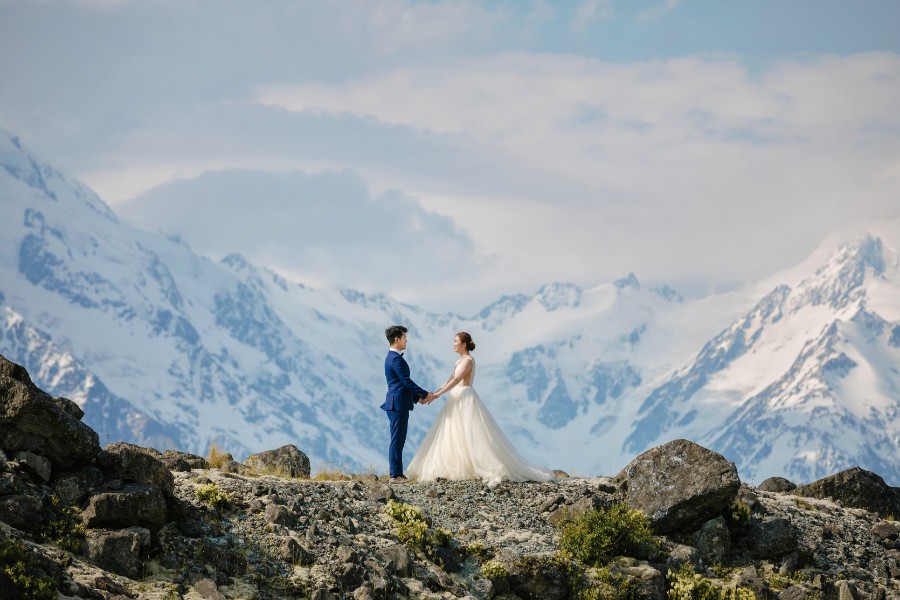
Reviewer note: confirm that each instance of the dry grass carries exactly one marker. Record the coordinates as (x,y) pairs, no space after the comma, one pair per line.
(217,456)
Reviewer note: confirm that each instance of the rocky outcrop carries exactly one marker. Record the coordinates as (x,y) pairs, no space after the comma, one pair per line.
(33,421)
(857,488)
(137,465)
(679,485)
(134,522)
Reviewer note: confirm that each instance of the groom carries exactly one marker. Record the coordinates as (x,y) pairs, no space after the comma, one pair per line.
(402,393)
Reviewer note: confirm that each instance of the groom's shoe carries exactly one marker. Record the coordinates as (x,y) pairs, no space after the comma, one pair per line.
(398,479)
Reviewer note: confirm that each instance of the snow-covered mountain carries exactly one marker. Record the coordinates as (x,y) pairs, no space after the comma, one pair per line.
(167,348)
(806,383)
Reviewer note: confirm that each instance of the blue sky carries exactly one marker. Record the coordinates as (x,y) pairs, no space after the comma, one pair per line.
(449,152)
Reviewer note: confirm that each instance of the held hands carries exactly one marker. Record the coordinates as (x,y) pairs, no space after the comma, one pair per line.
(431,397)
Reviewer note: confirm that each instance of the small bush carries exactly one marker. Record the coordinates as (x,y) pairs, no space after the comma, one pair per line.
(603,584)
(217,456)
(212,495)
(477,550)
(804,505)
(20,578)
(494,569)
(685,584)
(598,536)
(411,525)
(738,512)
(67,531)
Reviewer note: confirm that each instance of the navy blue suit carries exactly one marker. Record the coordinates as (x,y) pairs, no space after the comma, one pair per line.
(402,395)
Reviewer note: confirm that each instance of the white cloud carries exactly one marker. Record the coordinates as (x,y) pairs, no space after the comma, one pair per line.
(684,161)
(324,228)
(658,11)
(592,10)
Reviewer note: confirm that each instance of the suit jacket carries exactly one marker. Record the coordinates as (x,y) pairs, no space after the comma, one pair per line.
(402,393)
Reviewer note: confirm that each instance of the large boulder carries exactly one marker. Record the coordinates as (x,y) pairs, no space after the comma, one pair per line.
(136,464)
(183,461)
(142,505)
(32,420)
(778,485)
(679,485)
(286,461)
(856,488)
(116,551)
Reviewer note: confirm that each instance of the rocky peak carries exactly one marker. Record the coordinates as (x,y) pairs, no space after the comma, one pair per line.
(839,282)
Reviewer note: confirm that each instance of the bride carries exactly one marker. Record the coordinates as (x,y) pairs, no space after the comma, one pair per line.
(465,442)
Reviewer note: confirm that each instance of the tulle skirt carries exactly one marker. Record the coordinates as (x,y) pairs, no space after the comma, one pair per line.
(465,442)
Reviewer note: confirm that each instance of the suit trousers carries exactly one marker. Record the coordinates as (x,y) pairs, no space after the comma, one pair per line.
(399,420)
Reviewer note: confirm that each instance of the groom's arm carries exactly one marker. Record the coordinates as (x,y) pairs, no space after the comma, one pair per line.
(402,370)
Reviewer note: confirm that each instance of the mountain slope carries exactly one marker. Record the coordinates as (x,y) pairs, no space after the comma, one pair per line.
(805,384)
(167,348)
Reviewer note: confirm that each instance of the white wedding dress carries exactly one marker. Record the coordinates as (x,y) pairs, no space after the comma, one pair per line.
(465,442)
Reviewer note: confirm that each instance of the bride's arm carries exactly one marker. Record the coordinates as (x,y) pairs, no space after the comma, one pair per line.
(459,373)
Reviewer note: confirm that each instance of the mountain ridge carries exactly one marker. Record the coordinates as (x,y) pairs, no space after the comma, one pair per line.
(173,346)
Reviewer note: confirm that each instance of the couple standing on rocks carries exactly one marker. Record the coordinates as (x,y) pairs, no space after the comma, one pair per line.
(465,441)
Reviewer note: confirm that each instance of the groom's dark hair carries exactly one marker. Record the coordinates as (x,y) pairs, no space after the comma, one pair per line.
(394,332)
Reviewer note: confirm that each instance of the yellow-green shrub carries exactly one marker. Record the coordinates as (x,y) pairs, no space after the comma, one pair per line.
(212,495)
(597,536)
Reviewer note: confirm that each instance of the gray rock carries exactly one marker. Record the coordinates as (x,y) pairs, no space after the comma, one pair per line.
(182,461)
(749,578)
(681,555)
(844,591)
(713,541)
(22,511)
(772,539)
(537,579)
(886,530)
(550,502)
(778,485)
(856,488)
(576,509)
(679,485)
(795,592)
(72,487)
(293,552)
(396,560)
(206,587)
(30,419)
(140,465)
(381,492)
(134,505)
(286,461)
(363,593)
(69,407)
(279,515)
(37,464)
(116,551)
(650,585)
(347,554)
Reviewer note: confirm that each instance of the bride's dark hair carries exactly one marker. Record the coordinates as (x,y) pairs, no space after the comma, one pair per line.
(466,339)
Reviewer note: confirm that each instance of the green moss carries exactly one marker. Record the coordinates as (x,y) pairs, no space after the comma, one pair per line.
(598,536)
(213,496)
